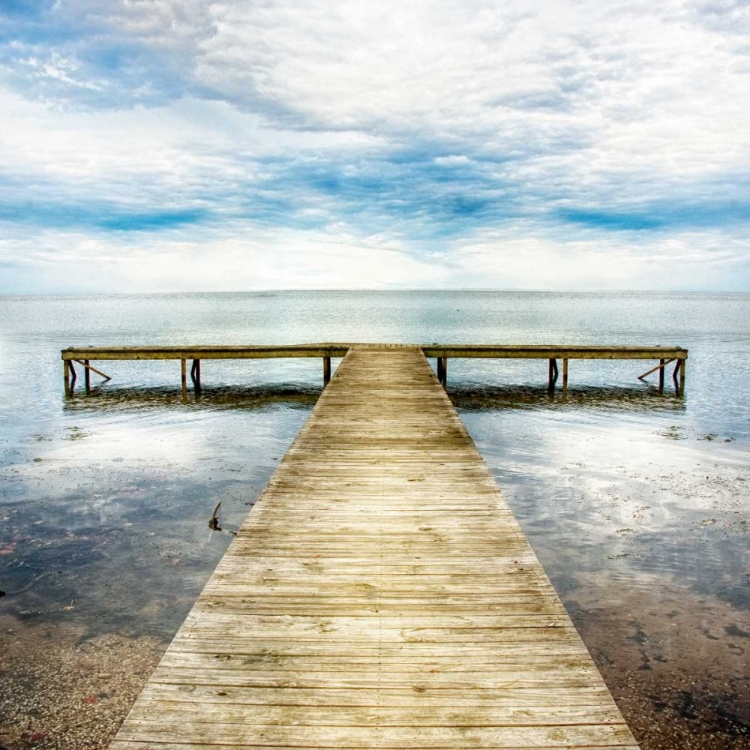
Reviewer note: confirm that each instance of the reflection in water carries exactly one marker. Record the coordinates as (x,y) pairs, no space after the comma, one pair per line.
(479,397)
(637,504)
(217,397)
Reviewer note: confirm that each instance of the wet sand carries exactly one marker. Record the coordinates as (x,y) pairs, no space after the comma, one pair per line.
(61,689)
(681,681)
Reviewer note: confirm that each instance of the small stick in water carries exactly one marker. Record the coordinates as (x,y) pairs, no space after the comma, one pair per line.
(214,522)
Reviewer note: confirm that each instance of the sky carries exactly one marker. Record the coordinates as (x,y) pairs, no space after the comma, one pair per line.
(188,145)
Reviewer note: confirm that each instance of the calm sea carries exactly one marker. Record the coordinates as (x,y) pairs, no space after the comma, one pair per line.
(638,504)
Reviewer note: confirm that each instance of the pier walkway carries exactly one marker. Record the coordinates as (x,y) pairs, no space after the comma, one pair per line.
(380,594)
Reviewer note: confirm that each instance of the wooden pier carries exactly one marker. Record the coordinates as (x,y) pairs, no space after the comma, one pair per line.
(441,352)
(380,594)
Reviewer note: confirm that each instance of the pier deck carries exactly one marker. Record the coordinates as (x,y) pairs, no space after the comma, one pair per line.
(442,352)
(380,594)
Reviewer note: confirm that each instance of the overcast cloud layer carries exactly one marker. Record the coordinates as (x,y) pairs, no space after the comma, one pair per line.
(186,145)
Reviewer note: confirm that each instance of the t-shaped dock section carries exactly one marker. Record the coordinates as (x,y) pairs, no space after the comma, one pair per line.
(83,356)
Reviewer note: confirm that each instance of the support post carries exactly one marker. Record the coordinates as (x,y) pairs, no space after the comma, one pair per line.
(87,376)
(565,379)
(440,369)
(73,377)
(662,363)
(675,374)
(184,378)
(445,371)
(681,390)
(326,371)
(552,374)
(195,375)
(66,376)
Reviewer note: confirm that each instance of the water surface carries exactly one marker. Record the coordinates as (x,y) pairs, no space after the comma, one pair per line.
(636,502)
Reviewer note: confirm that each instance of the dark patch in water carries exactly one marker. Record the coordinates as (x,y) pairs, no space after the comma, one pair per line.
(481,397)
(212,397)
(735,631)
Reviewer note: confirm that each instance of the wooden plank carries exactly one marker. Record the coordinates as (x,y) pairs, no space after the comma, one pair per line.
(380,594)
(553,351)
(85,363)
(511,696)
(212,730)
(440,351)
(662,364)
(204,352)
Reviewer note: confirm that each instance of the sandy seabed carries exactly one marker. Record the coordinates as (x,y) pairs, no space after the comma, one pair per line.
(62,690)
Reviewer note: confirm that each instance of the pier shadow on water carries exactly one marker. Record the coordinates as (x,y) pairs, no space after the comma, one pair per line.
(112,398)
(473,396)
(481,397)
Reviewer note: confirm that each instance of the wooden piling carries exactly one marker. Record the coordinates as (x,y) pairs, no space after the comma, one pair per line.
(553,372)
(195,375)
(565,379)
(662,364)
(66,376)
(445,372)
(326,371)
(440,369)
(681,388)
(87,375)
(184,377)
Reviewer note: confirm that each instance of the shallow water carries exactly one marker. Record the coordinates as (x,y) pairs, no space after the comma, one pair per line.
(638,504)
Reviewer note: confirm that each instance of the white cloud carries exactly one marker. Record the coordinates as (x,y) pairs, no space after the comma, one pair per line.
(518,144)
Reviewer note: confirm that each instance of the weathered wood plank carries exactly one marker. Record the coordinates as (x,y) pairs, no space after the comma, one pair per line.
(490,351)
(380,594)
(215,732)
